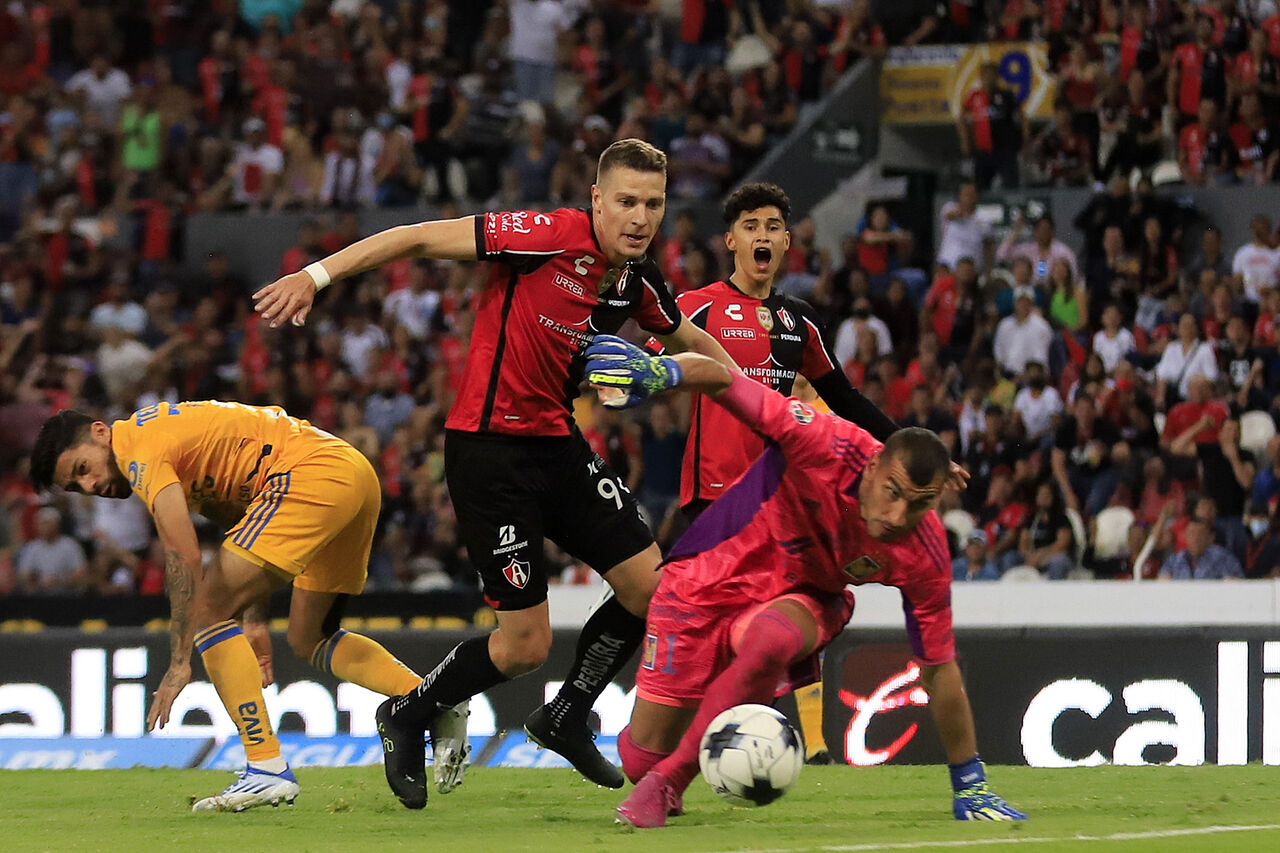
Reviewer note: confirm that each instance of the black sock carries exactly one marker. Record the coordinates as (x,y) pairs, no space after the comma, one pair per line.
(464,672)
(610,637)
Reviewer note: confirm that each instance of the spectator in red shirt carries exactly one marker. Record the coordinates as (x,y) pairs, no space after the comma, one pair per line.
(1257,142)
(1002,516)
(1143,48)
(880,243)
(704,26)
(1159,490)
(865,355)
(18,76)
(1206,154)
(992,130)
(1252,67)
(1198,71)
(1264,334)
(1194,422)
(857,36)
(305,251)
(897,389)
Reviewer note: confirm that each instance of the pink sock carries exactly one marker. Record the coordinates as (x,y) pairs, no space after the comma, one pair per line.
(636,760)
(770,643)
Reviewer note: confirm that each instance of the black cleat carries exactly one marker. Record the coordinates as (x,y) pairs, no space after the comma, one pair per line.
(577,746)
(820,757)
(404,757)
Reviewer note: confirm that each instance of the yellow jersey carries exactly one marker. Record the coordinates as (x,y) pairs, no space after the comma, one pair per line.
(221,453)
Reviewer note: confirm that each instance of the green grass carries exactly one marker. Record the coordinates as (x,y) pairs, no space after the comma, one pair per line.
(500,810)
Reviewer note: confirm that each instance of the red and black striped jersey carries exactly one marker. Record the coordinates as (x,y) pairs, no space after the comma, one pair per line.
(550,290)
(772,340)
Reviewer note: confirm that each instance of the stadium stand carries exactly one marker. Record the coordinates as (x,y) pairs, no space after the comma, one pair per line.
(124,124)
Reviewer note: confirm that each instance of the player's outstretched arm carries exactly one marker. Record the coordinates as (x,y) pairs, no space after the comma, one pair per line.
(182,582)
(949,706)
(291,297)
(625,375)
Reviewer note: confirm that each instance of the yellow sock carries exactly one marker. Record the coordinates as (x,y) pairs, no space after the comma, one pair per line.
(360,660)
(809,704)
(233,669)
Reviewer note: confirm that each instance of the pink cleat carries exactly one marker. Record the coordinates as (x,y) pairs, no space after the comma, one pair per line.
(649,803)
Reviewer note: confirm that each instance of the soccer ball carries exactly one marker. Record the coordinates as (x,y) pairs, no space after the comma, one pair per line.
(751,755)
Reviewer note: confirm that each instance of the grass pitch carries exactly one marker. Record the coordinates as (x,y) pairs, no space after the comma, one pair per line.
(498,810)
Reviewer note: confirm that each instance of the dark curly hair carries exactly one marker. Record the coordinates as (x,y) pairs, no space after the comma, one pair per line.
(62,431)
(753,197)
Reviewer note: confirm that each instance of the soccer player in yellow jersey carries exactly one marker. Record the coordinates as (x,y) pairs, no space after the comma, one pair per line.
(301,506)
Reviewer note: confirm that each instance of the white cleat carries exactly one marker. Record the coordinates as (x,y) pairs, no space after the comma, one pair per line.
(252,788)
(450,749)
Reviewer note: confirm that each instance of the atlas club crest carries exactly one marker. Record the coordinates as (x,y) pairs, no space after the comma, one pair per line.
(517,573)
(787,320)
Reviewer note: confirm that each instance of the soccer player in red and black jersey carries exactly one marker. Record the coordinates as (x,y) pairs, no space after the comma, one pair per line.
(759,584)
(773,337)
(516,466)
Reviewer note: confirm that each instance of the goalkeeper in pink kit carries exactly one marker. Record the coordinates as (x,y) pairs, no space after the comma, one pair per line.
(759,584)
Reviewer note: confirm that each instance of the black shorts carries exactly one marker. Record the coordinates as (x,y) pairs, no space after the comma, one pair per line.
(509,492)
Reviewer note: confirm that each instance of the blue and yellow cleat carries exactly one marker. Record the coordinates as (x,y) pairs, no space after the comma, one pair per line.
(978,802)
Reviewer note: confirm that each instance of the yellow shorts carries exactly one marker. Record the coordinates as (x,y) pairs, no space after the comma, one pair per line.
(314,523)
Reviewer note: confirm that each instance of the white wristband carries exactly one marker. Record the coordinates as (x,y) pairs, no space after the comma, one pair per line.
(318,274)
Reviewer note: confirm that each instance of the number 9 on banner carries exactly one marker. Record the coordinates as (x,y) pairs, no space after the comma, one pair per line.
(1015,68)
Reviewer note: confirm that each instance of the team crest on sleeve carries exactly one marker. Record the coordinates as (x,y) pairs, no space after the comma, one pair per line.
(517,573)
(765,316)
(787,320)
(803,414)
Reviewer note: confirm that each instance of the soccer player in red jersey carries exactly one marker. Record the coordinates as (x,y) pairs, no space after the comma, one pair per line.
(772,336)
(516,466)
(757,587)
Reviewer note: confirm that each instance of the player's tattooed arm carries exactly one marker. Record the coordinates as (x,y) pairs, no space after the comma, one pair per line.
(184,583)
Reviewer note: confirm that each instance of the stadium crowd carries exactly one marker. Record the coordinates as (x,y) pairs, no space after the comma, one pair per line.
(1187,91)
(1114,408)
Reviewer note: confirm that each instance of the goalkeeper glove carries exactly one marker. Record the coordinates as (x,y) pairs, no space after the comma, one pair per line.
(973,799)
(615,363)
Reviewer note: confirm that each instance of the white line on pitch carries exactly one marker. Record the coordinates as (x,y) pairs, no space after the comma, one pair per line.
(1031,839)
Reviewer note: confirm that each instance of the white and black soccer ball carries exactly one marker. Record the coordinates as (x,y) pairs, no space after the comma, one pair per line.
(751,755)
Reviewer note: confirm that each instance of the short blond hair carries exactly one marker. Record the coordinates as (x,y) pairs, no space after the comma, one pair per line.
(631,154)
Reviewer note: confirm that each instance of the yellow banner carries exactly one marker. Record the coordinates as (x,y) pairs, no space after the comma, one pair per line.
(927,85)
